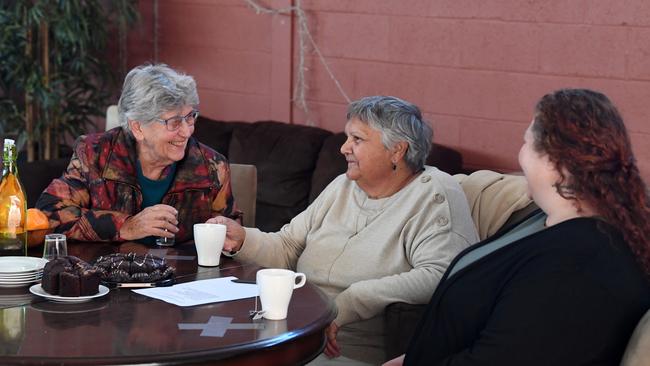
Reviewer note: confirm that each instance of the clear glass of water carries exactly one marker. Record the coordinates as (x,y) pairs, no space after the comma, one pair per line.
(165,242)
(55,246)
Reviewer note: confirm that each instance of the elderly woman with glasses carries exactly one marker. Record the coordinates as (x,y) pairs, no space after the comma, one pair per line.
(383,232)
(147,178)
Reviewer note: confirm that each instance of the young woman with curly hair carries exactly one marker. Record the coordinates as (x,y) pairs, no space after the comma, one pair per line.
(568,285)
(585,139)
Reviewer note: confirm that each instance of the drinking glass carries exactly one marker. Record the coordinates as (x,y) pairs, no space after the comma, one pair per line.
(164,241)
(55,246)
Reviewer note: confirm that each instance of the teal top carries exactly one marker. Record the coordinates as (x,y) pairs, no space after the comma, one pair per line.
(153,191)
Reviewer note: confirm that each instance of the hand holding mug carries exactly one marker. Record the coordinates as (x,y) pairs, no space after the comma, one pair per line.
(209,239)
(235,233)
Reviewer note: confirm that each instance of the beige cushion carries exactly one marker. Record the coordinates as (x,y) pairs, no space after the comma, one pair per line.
(112,117)
(243,180)
(493,197)
(637,352)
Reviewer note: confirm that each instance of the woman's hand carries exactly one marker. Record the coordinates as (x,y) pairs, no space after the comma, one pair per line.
(397,361)
(235,233)
(332,347)
(157,220)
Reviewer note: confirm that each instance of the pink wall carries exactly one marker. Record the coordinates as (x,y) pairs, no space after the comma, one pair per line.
(476,68)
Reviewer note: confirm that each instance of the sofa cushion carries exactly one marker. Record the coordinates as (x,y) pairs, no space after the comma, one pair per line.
(493,198)
(330,164)
(448,160)
(37,175)
(216,134)
(285,156)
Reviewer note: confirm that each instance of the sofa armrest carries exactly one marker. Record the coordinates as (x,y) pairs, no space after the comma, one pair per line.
(637,351)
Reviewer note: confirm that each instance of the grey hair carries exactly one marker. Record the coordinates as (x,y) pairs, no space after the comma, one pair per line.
(151,90)
(397,120)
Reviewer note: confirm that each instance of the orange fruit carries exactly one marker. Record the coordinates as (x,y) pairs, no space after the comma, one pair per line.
(36,220)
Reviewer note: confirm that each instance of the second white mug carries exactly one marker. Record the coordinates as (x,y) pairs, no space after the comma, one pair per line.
(275,287)
(209,239)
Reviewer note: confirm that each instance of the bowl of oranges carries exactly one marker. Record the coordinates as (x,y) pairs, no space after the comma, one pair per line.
(37,226)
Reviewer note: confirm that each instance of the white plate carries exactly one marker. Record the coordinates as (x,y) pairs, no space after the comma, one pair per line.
(26,277)
(16,285)
(15,264)
(20,274)
(38,290)
(19,279)
(22,280)
(16,282)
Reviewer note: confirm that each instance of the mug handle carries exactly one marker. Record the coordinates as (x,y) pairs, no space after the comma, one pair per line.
(303,279)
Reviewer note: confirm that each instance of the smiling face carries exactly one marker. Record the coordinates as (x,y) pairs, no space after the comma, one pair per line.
(369,161)
(159,147)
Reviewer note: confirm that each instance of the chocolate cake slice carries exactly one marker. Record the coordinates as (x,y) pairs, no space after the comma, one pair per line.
(89,282)
(70,276)
(69,284)
(51,271)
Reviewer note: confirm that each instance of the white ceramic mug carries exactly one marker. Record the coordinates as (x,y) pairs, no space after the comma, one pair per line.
(209,239)
(275,287)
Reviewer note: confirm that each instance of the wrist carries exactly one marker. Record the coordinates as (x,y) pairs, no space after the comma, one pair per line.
(240,242)
(123,232)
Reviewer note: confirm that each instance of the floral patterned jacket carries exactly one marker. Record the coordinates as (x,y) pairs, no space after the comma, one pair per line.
(99,190)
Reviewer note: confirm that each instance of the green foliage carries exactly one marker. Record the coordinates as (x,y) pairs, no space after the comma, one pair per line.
(79,81)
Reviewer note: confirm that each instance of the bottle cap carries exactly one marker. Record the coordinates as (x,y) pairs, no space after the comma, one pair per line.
(9,142)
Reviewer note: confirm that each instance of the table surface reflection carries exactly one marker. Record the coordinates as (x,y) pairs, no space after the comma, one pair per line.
(127,328)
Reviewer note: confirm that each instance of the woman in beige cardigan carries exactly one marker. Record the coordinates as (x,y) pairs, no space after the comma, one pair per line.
(384,232)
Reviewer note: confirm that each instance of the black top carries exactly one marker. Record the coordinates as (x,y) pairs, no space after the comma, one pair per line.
(568,295)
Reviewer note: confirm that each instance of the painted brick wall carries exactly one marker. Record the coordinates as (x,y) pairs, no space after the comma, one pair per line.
(475,67)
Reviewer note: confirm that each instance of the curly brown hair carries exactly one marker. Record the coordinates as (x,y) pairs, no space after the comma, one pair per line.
(583,135)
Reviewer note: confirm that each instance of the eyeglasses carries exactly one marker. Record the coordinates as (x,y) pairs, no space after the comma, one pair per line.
(174,123)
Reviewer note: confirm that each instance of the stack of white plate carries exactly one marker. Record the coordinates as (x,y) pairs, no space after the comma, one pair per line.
(20,271)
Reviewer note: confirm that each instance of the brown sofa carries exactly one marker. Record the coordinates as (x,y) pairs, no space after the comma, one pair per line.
(37,175)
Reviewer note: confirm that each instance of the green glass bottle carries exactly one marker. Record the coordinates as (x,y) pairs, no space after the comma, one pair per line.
(13,205)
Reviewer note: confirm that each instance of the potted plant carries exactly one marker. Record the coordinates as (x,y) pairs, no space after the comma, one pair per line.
(55,75)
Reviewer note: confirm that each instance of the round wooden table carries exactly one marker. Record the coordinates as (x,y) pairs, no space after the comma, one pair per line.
(124,327)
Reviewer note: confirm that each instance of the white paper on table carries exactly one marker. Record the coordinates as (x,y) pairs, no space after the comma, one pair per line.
(202,292)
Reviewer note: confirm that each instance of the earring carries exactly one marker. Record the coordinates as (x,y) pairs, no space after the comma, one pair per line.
(394,166)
